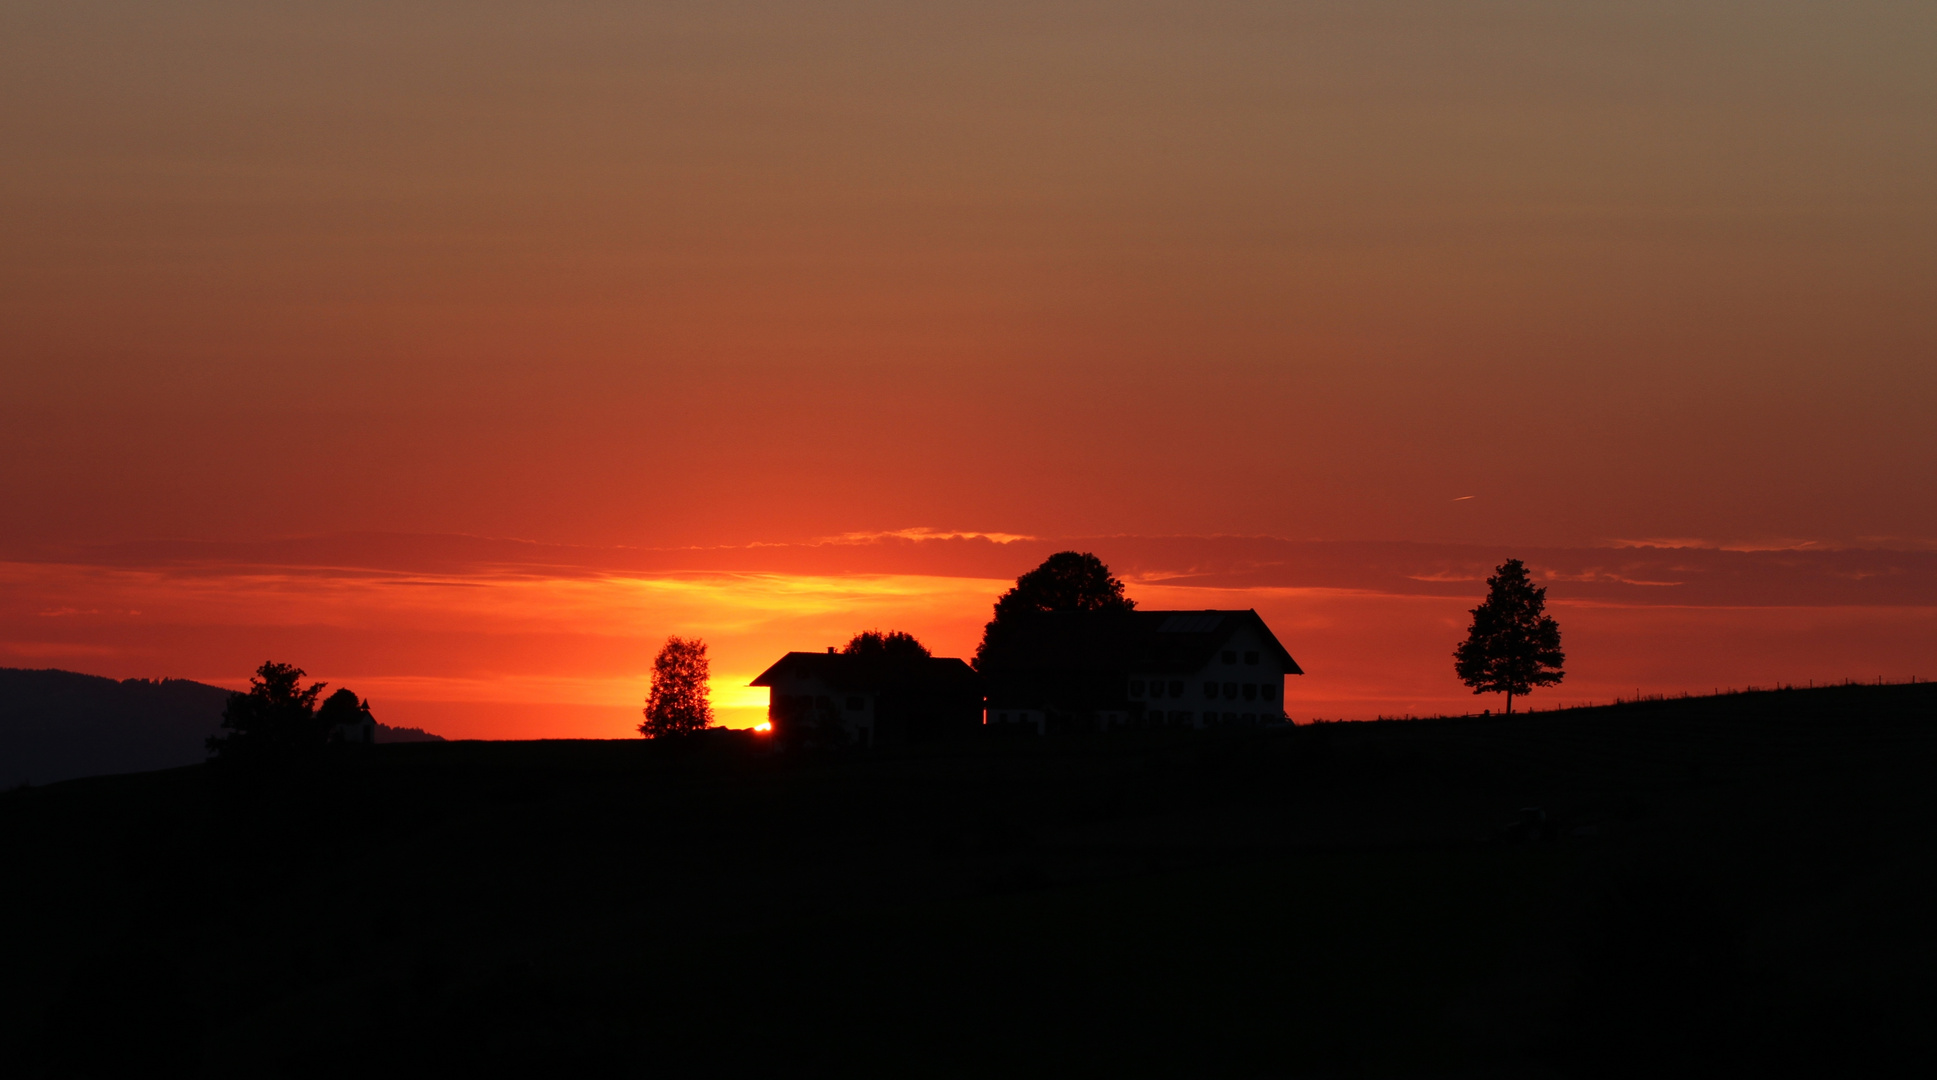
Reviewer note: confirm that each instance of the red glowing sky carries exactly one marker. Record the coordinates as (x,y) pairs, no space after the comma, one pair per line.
(1486,280)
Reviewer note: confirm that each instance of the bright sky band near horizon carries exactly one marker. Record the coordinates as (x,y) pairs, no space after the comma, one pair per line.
(461,352)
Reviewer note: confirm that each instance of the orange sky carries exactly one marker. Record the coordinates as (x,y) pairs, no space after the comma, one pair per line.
(483,638)
(625,277)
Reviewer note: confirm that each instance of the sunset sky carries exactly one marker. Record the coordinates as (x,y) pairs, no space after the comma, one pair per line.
(460,353)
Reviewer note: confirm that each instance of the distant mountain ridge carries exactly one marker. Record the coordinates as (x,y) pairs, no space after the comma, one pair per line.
(57,725)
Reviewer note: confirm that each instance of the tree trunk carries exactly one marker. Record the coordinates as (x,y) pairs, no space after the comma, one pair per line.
(1509,703)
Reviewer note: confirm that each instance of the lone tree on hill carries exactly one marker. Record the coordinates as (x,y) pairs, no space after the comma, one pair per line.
(678,704)
(1513,645)
(1066,581)
(277,715)
(893,645)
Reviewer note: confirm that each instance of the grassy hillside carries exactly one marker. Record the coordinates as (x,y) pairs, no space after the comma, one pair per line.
(1743,880)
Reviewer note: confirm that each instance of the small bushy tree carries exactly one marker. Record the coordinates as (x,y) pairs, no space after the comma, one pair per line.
(1513,645)
(678,703)
(1066,581)
(276,715)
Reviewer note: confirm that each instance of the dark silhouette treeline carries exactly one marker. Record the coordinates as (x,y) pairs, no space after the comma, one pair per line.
(1689,886)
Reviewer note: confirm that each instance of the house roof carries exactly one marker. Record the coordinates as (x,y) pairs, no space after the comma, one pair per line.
(859,674)
(1147,641)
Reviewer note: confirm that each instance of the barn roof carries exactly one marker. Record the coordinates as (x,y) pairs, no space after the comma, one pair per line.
(841,672)
(1149,641)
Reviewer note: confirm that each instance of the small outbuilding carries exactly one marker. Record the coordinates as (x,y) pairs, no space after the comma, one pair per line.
(346,719)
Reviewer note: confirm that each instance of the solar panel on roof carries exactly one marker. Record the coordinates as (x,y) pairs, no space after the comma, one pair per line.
(1190,624)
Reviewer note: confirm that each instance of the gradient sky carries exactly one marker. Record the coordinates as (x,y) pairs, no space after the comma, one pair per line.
(1481,278)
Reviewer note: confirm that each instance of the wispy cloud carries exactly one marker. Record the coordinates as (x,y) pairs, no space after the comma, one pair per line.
(1704,544)
(1606,577)
(923,533)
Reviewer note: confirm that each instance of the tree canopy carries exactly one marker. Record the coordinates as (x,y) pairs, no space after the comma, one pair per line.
(1513,645)
(277,714)
(1066,581)
(893,645)
(342,707)
(678,703)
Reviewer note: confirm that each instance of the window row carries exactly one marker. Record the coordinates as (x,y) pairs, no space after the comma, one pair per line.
(1230,691)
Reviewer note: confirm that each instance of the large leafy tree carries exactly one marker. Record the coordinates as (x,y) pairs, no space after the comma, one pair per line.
(1066,581)
(1513,645)
(678,703)
(893,645)
(276,715)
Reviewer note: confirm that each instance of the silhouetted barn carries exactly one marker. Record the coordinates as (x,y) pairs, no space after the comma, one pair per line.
(1095,671)
(871,701)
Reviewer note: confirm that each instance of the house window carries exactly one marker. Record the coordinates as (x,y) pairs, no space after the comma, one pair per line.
(1231,690)
(1250,691)
(1230,656)
(1251,658)
(856,703)
(1136,687)
(1176,688)
(1210,689)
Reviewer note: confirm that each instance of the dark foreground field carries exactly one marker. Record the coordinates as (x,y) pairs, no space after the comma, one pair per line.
(1746,882)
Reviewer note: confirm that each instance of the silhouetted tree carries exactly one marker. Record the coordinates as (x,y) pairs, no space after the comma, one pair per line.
(1066,581)
(678,703)
(276,715)
(1513,645)
(893,645)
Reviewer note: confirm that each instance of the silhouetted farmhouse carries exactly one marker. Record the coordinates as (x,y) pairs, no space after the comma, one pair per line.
(839,698)
(1095,671)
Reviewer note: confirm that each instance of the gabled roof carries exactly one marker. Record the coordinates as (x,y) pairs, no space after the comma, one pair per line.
(858,674)
(1146,641)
